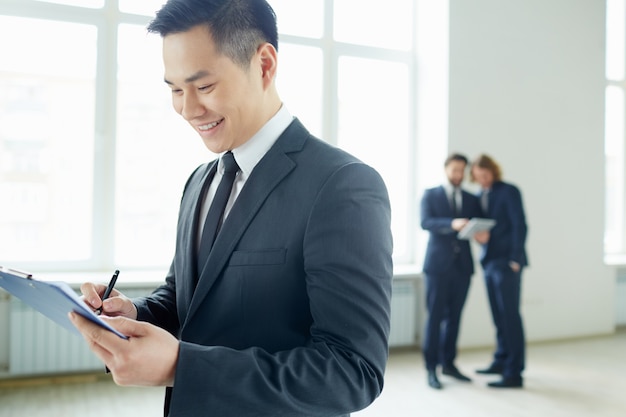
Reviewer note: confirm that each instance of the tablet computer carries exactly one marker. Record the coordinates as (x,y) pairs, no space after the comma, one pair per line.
(475,225)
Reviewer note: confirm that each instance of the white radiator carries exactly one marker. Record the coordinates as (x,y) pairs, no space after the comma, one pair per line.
(37,345)
(404,317)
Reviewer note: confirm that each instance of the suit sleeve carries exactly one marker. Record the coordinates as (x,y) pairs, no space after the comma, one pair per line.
(430,220)
(515,209)
(339,368)
(476,209)
(160,308)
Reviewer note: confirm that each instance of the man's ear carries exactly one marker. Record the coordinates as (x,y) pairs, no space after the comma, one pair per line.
(269,60)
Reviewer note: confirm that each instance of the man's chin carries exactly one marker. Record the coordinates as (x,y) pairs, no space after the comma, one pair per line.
(215,147)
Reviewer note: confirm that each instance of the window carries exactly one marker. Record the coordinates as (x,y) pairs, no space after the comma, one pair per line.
(358,87)
(154,154)
(615,138)
(94,159)
(82,3)
(47,108)
(143,7)
(373,125)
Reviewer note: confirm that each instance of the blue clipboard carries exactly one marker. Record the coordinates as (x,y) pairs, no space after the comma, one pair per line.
(52,299)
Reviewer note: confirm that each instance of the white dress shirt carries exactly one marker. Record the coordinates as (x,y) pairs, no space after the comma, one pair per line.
(247,157)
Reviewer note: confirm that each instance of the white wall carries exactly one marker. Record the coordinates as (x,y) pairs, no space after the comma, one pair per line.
(527,87)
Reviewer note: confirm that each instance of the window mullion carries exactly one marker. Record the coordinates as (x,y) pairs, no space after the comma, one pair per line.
(622,200)
(104,150)
(330,122)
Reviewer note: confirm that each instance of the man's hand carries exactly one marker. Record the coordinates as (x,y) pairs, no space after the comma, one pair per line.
(116,305)
(458,224)
(147,358)
(482,237)
(515,267)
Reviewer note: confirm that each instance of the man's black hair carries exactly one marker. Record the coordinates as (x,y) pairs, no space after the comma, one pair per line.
(237,27)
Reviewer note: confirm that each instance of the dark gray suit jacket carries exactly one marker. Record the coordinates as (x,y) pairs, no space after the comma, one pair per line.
(507,241)
(291,313)
(443,245)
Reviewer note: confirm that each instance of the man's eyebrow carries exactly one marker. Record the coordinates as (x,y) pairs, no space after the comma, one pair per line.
(191,78)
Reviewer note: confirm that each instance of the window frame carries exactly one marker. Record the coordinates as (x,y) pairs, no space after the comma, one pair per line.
(615,163)
(107,20)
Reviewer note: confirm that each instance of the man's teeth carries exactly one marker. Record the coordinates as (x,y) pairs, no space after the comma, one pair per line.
(209,126)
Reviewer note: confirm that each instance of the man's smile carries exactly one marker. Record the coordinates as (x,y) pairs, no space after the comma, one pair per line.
(209,126)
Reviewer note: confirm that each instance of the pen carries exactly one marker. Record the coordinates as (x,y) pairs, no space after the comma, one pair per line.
(107,292)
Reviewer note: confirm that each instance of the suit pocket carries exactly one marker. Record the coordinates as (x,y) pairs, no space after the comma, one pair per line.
(263,257)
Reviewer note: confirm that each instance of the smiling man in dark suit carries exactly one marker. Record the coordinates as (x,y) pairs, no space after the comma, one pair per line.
(503,258)
(287,312)
(448,267)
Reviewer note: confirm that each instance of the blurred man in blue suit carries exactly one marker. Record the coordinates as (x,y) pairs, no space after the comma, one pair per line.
(448,266)
(503,257)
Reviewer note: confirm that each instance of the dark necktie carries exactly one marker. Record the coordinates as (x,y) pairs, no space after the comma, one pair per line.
(216,211)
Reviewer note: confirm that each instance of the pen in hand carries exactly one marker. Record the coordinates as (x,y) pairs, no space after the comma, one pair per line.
(107,292)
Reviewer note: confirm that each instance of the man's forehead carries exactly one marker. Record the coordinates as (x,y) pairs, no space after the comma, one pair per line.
(192,78)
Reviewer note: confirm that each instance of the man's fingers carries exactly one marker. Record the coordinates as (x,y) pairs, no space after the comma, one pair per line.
(119,306)
(100,336)
(130,328)
(91,294)
(148,357)
(93,334)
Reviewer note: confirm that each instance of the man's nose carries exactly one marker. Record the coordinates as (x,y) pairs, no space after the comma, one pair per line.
(192,107)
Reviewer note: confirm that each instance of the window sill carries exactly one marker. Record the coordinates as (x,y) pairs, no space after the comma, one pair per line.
(615,259)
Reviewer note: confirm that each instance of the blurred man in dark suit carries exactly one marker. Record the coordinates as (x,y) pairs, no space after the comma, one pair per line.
(448,267)
(503,257)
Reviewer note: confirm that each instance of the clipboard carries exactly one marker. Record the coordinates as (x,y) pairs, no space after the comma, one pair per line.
(476,224)
(52,299)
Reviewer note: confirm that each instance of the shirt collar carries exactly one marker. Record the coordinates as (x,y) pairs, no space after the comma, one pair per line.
(449,188)
(250,153)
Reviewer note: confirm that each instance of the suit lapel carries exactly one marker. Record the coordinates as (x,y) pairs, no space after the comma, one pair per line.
(268,173)
(188,234)
(445,201)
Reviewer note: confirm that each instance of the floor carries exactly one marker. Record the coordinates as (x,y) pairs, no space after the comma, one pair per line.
(580,378)
(575,378)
